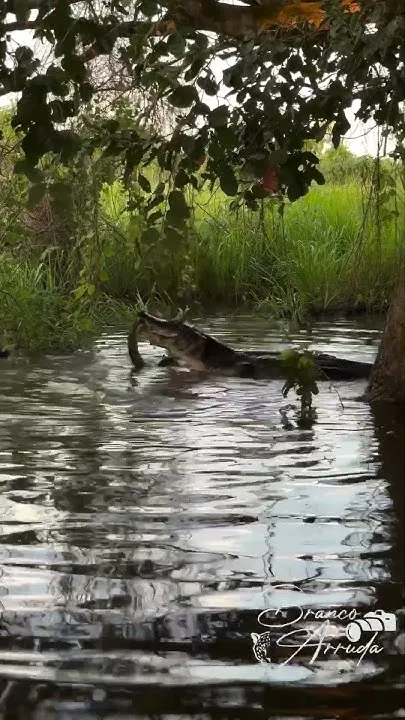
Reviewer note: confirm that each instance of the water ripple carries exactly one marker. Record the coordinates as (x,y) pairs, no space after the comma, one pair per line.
(146,521)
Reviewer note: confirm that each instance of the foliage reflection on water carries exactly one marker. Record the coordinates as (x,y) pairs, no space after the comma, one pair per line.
(144,520)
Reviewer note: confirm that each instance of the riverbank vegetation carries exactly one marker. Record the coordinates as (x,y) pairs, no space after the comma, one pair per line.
(325,253)
(180,104)
(79,257)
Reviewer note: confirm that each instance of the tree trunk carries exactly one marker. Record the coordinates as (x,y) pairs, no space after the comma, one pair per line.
(387,381)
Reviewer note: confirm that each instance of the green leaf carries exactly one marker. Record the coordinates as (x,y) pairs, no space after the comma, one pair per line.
(154,201)
(306,362)
(228,182)
(278,157)
(219,116)
(232,77)
(60,193)
(56,79)
(112,125)
(24,55)
(160,188)
(209,85)
(21,167)
(296,188)
(258,191)
(35,194)
(173,220)
(148,7)
(201,43)
(235,205)
(194,69)
(317,176)
(176,44)
(21,10)
(61,110)
(66,142)
(310,157)
(144,183)
(215,151)
(181,179)
(151,235)
(173,235)
(201,108)
(183,97)
(74,66)
(259,162)
(105,43)
(153,217)
(226,137)
(79,292)
(178,205)
(288,356)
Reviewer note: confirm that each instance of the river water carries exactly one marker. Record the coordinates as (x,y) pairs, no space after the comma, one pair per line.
(147,520)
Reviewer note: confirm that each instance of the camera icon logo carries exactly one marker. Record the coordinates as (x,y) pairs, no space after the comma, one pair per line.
(377,621)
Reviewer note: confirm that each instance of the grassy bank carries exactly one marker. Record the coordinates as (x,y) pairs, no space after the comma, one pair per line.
(331,251)
(38,313)
(327,253)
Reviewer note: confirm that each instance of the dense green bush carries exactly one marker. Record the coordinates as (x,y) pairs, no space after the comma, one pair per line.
(340,167)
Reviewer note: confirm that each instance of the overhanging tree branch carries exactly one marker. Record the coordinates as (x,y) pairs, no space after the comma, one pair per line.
(20,26)
(35,4)
(234,21)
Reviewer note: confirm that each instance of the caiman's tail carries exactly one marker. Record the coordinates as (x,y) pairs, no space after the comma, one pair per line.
(331,367)
(341,369)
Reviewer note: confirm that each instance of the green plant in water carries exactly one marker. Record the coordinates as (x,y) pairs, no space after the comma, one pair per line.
(301,372)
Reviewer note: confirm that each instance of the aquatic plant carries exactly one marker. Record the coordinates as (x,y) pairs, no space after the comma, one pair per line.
(300,373)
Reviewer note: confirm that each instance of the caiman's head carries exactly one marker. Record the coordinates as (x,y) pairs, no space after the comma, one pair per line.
(181,340)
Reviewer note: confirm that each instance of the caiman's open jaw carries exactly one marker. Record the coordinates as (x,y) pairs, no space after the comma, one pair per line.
(182,341)
(162,333)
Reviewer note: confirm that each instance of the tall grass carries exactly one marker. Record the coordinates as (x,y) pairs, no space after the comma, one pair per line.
(37,312)
(324,254)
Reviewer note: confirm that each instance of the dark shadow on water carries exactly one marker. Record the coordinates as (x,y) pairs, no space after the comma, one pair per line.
(389,424)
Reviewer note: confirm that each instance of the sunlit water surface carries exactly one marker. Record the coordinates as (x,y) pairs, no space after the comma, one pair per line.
(147,520)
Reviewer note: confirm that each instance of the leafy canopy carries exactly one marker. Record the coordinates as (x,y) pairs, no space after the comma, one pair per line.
(286,71)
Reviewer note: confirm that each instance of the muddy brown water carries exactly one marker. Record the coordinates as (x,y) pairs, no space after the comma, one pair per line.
(147,521)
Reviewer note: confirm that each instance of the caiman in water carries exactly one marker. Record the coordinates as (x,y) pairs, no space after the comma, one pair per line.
(200,351)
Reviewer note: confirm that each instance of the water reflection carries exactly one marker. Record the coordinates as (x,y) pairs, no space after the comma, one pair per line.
(145,522)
